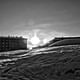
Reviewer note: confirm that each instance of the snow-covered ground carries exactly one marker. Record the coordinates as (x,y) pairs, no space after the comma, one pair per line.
(13,52)
(19,54)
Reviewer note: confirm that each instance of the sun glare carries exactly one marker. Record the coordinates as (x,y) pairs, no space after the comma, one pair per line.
(45,41)
(35,40)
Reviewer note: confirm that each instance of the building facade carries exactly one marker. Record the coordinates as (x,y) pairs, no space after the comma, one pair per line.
(12,43)
(65,41)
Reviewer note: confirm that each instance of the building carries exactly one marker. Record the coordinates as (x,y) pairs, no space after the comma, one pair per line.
(12,43)
(58,41)
(62,38)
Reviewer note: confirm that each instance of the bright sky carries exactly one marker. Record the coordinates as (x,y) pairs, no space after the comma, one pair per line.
(50,17)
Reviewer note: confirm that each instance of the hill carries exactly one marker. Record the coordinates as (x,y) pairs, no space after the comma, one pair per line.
(52,63)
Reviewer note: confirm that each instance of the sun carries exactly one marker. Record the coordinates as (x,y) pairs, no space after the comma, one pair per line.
(35,40)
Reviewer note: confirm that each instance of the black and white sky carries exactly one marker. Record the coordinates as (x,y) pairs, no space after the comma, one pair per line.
(48,17)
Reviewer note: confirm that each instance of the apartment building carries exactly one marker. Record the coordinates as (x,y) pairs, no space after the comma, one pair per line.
(12,43)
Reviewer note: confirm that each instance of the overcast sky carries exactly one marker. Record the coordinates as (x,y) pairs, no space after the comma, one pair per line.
(49,17)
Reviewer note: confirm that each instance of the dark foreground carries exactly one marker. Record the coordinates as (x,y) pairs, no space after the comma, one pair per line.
(60,63)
